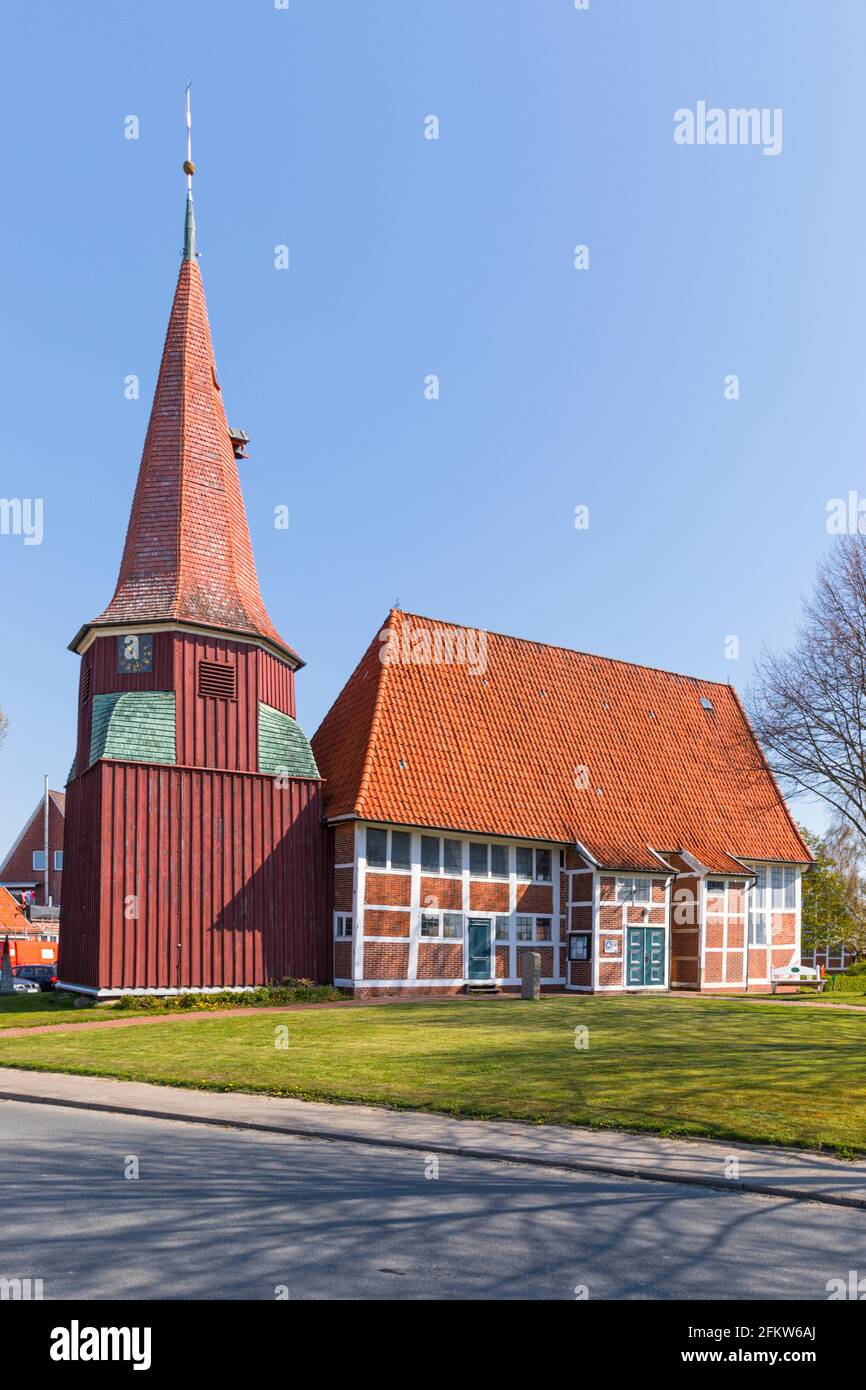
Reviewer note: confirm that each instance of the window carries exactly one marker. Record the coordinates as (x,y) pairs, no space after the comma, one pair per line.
(441,856)
(524,862)
(85,685)
(579,946)
(633,890)
(39,859)
(58,860)
(377,848)
(531,928)
(453,853)
(716,885)
(342,925)
(443,925)
(478,859)
(758,909)
(533,863)
(498,861)
(401,849)
(217,679)
(380,842)
(502,929)
(784,883)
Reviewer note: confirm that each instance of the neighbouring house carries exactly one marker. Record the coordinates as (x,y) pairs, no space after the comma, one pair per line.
(23,869)
(194,849)
(831,959)
(488,795)
(30,943)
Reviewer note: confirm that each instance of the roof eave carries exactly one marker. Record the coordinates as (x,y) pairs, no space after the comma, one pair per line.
(79,644)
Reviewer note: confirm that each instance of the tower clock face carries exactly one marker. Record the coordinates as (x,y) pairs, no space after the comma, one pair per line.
(134,653)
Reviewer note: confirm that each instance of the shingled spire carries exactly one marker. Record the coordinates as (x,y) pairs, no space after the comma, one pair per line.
(188,557)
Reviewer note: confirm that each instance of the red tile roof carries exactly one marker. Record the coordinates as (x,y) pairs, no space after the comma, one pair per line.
(501,753)
(188,555)
(12,915)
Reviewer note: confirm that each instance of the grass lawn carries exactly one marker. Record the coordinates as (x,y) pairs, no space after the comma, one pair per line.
(701,1067)
(54,1006)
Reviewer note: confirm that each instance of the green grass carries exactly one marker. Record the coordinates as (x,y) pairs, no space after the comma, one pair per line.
(33,1010)
(691,1067)
(55,1006)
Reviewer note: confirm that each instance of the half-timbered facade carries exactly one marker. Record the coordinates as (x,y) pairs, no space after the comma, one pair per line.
(487,795)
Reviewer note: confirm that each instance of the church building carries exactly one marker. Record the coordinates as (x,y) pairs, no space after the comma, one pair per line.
(468,798)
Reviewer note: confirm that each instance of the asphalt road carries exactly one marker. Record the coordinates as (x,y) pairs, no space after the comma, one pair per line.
(219,1213)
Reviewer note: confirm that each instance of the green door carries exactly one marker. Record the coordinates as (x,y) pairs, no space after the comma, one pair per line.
(480,932)
(645,956)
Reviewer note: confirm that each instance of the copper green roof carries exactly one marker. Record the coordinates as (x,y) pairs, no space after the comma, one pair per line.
(283,747)
(134,726)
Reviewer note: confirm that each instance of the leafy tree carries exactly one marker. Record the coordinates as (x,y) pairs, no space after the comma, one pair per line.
(834,893)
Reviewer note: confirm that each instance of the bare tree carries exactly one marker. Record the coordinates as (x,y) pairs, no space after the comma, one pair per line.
(808,705)
(4,727)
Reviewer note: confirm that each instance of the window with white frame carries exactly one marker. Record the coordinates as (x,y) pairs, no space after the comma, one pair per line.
(342,925)
(388,849)
(532,864)
(444,926)
(633,890)
(39,860)
(502,928)
(784,885)
(488,861)
(757,914)
(58,860)
(529,927)
(441,855)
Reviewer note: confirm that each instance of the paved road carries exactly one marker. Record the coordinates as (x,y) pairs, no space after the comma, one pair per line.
(233,1214)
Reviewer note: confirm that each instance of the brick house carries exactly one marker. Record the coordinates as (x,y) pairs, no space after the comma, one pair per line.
(487,795)
(23,869)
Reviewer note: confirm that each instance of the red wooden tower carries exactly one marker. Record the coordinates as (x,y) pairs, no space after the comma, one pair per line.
(193,848)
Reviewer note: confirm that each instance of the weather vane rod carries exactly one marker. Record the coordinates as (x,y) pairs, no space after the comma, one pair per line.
(189,250)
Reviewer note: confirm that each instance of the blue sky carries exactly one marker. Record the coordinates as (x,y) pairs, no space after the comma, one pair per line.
(408,256)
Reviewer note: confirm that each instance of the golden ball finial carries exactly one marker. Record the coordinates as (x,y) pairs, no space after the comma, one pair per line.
(188,167)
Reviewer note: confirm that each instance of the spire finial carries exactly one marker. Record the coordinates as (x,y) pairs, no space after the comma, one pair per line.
(189,251)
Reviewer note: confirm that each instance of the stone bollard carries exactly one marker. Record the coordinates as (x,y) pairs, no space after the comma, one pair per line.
(531,980)
(7,978)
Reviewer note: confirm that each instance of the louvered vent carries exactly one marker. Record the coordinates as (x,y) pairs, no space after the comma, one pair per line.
(85,685)
(217,679)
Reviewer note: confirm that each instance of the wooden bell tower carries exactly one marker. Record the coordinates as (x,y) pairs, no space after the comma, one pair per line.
(194,846)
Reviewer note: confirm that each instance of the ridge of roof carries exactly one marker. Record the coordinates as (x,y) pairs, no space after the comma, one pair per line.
(570,651)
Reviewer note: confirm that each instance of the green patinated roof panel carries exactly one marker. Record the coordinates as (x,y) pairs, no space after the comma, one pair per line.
(283,746)
(134,726)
